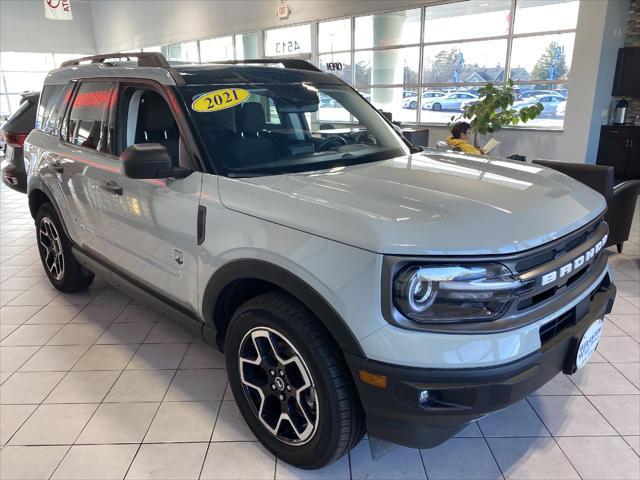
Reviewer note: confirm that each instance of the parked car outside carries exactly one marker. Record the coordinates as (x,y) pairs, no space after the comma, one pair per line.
(452,101)
(354,282)
(14,132)
(549,102)
(536,93)
(412,102)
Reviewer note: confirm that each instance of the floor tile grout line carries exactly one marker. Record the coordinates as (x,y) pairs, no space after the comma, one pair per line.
(46,396)
(424,466)
(101,402)
(625,376)
(630,446)
(215,422)
(602,415)
(554,439)
(135,455)
(486,442)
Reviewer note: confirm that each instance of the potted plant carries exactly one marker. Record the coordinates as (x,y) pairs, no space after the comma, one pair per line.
(495,110)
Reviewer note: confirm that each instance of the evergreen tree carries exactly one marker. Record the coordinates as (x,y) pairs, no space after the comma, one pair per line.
(552,64)
(447,65)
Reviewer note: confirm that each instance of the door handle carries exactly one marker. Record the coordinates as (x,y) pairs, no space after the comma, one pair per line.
(54,164)
(111,187)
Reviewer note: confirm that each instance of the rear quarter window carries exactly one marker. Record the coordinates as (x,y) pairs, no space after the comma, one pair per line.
(48,97)
(53,102)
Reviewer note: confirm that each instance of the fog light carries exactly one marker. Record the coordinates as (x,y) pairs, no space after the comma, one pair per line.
(423,398)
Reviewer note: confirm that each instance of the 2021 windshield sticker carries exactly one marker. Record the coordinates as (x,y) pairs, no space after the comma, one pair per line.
(220,99)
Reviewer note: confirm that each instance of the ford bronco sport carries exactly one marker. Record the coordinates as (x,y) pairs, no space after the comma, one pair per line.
(354,282)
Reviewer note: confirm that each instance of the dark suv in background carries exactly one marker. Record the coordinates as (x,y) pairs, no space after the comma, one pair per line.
(14,132)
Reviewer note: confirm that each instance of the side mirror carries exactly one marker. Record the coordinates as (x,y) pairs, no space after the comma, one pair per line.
(149,160)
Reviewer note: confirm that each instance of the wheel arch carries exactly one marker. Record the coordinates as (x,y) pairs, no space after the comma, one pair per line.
(240,280)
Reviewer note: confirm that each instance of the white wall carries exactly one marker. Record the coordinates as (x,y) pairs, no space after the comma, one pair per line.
(23,28)
(129,24)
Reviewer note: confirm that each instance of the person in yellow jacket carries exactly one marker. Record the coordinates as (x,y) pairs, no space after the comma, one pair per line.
(459,138)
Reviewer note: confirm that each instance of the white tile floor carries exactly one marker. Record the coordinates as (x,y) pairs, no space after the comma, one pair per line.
(94,386)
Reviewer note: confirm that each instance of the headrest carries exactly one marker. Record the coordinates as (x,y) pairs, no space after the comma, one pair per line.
(250,118)
(155,114)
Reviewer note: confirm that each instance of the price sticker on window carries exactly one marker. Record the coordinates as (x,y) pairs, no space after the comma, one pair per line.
(220,99)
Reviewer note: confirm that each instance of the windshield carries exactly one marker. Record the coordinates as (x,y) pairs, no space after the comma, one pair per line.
(286,128)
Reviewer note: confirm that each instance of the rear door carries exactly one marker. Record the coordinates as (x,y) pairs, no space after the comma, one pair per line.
(81,163)
(150,226)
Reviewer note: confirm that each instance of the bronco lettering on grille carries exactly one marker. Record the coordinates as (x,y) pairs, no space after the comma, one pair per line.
(578,262)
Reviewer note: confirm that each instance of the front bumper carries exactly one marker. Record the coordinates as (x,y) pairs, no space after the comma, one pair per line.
(458,396)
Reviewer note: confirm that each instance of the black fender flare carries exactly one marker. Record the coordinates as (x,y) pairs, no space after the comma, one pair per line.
(287,281)
(35,184)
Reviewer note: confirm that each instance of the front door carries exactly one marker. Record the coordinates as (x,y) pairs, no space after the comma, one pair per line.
(150,226)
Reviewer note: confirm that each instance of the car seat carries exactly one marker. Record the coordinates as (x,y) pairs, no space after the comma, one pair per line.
(156,124)
(251,144)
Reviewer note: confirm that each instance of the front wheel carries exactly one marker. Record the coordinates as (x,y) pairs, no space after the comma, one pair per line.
(290,384)
(62,269)
(436,107)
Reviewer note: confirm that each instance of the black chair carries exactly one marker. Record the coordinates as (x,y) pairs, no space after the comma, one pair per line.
(621,198)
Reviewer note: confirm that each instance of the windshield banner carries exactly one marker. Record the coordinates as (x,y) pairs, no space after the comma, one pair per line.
(58,9)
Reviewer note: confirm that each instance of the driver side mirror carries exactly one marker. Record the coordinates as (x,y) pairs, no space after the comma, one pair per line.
(149,160)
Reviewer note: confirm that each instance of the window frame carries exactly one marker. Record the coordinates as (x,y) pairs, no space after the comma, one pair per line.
(181,118)
(64,127)
(422,86)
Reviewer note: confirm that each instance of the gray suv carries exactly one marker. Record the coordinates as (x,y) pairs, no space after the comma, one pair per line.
(353,281)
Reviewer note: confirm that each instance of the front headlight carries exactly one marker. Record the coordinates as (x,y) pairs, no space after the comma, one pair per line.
(455,293)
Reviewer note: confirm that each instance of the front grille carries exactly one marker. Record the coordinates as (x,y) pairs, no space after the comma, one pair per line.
(551,258)
(558,248)
(554,327)
(568,319)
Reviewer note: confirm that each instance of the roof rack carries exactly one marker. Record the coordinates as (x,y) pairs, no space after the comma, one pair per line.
(145,59)
(295,63)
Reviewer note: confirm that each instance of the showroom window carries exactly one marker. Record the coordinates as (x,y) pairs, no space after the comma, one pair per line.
(423,64)
(288,41)
(247,46)
(25,72)
(182,52)
(216,49)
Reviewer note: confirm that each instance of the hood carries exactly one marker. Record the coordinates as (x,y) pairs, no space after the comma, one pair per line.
(424,204)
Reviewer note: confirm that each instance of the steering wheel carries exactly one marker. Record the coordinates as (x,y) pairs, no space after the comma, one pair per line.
(330,142)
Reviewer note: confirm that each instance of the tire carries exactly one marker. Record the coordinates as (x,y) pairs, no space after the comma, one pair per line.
(413,105)
(436,106)
(62,269)
(329,430)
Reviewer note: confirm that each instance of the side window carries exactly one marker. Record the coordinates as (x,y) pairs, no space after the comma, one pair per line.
(144,116)
(48,98)
(87,114)
(52,120)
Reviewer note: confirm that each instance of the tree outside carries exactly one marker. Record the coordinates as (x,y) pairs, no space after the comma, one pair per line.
(552,64)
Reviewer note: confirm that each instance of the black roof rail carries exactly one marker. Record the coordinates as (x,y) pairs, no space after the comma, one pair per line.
(295,63)
(145,59)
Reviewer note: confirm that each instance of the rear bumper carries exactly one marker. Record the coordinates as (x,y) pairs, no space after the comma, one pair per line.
(13,177)
(458,396)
